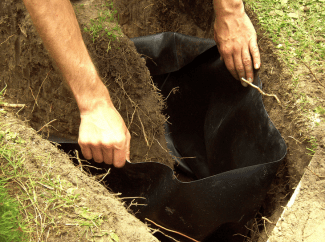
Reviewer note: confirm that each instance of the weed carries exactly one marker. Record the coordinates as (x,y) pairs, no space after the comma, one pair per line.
(98,26)
(114,237)
(319,110)
(313,142)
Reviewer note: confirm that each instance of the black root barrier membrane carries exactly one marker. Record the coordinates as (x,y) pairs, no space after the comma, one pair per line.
(221,128)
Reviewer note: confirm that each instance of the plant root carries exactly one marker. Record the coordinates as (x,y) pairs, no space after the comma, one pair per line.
(169,230)
(258,89)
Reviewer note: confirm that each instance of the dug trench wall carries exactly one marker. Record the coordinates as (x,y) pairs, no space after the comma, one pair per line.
(32,79)
(29,76)
(67,204)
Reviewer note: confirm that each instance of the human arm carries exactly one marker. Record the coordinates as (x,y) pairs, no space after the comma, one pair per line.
(236,39)
(103,135)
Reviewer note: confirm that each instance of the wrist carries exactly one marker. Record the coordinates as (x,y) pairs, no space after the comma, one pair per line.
(89,91)
(224,8)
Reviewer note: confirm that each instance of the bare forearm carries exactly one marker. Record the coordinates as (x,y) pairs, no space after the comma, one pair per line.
(226,7)
(57,25)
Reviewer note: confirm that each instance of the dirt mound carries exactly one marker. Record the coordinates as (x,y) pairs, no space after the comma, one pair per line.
(32,79)
(68,204)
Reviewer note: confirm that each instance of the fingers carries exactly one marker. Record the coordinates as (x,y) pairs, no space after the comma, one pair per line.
(247,64)
(227,57)
(86,151)
(240,67)
(97,154)
(114,153)
(254,50)
(239,63)
(127,145)
(108,155)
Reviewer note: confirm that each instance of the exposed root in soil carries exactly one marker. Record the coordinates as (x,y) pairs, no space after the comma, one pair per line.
(172,231)
(260,91)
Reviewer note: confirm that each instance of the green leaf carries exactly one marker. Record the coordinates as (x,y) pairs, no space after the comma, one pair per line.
(114,237)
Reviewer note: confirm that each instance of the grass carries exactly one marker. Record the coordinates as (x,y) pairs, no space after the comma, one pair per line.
(313,143)
(100,26)
(11,222)
(296,27)
(298,32)
(41,201)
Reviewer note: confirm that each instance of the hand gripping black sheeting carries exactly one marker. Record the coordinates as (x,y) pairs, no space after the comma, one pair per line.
(218,121)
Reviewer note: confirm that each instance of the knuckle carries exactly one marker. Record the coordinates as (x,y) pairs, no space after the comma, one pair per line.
(255,50)
(236,49)
(116,143)
(240,69)
(247,62)
(226,50)
(83,144)
(232,70)
(120,140)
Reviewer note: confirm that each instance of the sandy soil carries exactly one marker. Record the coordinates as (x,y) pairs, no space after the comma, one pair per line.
(303,218)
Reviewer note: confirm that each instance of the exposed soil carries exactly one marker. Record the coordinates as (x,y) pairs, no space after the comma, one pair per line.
(32,79)
(304,219)
(44,162)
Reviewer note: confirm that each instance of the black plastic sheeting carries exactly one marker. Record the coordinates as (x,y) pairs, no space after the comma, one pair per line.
(223,125)
(218,121)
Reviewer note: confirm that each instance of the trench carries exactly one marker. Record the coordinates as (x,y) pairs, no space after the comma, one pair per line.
(192,18)
(146,17)
(141,18)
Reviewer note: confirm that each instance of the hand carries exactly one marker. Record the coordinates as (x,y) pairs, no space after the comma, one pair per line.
(237,43)
(103,136)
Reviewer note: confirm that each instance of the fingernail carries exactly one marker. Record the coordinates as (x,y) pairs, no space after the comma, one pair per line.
(244,84)
(250,80)
(257,66)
